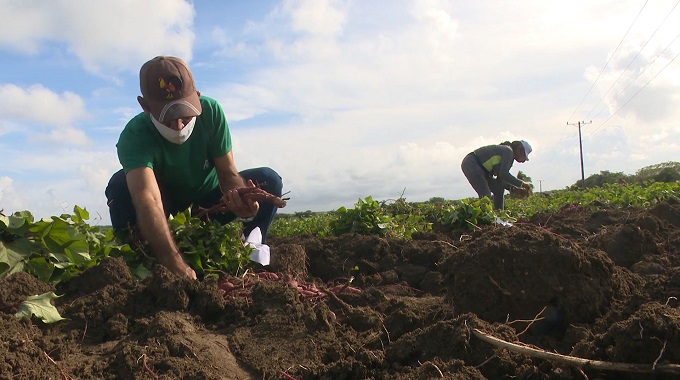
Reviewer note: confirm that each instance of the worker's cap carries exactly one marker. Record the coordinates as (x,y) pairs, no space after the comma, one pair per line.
(527,149)
(168,88)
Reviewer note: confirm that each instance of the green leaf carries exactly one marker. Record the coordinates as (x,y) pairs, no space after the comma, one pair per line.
(60,259)
(10,261)
(78,251)
(80,215)
(63,237)
(18,223)
(14,255)
(40,268)
(41,307)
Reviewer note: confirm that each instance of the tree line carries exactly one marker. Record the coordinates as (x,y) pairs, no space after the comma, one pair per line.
(663,172)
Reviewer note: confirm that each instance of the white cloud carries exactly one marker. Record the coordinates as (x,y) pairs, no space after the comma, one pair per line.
(638,82)
(42,109)
(104,35)
(40,105)
(316,17)
(50,183)
(97,173)
(17,32)
(70,136)
(7,126)
(7,194)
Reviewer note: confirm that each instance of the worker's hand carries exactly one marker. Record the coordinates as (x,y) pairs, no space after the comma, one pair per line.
(176,265)
(521,192)
(241,207)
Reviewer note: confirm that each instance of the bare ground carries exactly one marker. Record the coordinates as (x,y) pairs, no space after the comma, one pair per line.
(598,285)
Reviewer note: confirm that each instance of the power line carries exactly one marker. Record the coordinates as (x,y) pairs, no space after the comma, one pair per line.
(634,95)
(610,58)
(580,124)
(640,73)
(634,58)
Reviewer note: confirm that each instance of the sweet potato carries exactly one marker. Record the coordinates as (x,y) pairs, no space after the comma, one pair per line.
(520,192)
(345,288)
(271,276)
(256,193)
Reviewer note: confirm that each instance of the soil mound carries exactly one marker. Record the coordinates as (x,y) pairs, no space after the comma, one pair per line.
(598,285)
(514,273)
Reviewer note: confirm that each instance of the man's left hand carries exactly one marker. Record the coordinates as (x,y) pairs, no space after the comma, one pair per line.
(242,207)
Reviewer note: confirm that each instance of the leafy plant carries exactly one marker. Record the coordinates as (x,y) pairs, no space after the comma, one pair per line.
(56,249)
(610,195)
(469,212)
(366,217)
(408,218)
(307,223)
(53,249)
(370,217)
(210,247)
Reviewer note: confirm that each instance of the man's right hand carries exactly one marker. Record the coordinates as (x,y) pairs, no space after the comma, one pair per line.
(185,271)
(153,223)
(176,265)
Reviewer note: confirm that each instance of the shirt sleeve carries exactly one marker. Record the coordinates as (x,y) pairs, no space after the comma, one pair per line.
(133,147)
(507,159)
(220,144)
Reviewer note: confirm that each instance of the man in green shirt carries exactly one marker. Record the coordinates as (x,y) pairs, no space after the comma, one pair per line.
(175,154)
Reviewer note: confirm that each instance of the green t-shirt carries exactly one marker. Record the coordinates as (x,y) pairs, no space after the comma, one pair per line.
(185,171)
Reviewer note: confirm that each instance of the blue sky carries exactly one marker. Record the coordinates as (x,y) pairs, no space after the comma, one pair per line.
(345,99)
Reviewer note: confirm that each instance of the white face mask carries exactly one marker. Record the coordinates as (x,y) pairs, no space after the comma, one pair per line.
(177,137)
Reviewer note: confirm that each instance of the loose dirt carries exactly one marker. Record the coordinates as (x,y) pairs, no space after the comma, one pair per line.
(600,285)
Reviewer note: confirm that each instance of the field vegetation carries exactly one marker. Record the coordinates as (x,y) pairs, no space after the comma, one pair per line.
(56,249)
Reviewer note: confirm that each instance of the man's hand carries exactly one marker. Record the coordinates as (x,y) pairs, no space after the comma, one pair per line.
(152,221)
(241,207)
(521,192)
(175,264)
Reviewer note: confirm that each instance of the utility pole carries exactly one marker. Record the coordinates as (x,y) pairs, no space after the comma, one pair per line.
(580,148)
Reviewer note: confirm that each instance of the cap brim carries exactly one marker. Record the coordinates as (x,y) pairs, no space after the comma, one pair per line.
(177,109)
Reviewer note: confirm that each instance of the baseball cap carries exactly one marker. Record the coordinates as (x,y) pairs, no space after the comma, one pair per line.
(168,88)
(527,149)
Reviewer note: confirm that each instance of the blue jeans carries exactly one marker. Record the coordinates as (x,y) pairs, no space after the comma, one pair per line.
(123,213)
